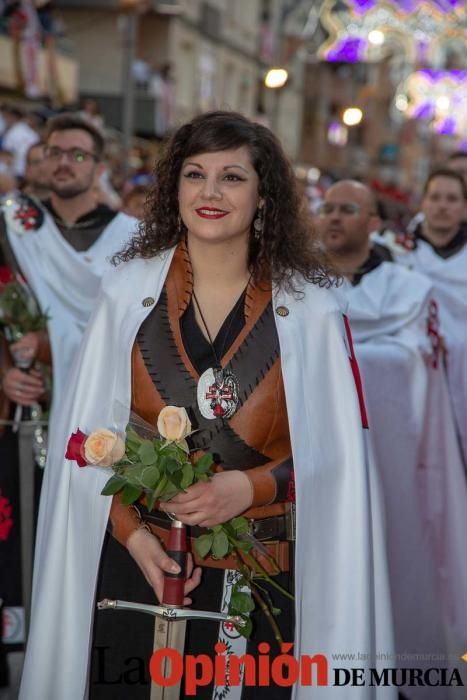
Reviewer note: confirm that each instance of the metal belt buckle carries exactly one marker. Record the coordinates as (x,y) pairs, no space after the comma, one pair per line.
(264,529)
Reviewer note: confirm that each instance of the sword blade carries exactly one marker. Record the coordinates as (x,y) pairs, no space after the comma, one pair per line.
(168,634)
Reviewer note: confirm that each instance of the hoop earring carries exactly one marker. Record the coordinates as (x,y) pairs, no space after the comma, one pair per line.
(179,225)
(258,223)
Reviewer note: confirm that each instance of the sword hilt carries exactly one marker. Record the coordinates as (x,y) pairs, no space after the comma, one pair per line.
(169,613)
(174,584)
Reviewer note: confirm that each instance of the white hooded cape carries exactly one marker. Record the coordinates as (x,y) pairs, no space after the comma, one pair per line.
(413,443)
(65,281)
(342,596)
(449,279)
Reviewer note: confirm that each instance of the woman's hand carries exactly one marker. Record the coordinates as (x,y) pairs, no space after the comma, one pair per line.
(23,388)
(26,348)
(210,503)
(152,559)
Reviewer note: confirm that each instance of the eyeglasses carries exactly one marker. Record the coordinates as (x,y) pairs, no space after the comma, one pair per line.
(76,155)
(347,208)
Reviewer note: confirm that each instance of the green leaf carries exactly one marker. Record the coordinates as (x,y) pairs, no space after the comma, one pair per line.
(240,525)
(132,474)
(172,465)
(242,581)
(183,445)
(151,499)
(147,453)
(114,485)
(150,477)
(203,544)
(220,545)
(187,476)
(170,491)
(204,463)
(247,629)
(242,602)
(130,494)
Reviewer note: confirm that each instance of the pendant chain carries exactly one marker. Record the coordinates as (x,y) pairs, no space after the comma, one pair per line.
(226,335)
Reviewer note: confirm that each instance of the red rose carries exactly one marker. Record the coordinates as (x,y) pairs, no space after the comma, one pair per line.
(6,276)
(75,448)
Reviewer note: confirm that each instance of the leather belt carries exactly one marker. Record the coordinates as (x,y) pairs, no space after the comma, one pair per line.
(277,527)
(276,533)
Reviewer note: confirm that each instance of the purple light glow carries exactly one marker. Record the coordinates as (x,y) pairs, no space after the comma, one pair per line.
(350,50)
(360,7)
(448,126)
(448,5)
(424,111)
(437,74)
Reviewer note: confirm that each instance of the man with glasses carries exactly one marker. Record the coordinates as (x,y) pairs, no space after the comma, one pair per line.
(412,434)
(62,247)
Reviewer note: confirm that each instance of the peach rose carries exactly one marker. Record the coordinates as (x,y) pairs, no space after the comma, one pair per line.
(173,423)
(104,448)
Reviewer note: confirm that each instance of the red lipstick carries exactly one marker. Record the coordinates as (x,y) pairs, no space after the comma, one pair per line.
(211,213)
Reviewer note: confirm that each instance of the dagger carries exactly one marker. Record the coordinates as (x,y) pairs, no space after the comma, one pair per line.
(170,615)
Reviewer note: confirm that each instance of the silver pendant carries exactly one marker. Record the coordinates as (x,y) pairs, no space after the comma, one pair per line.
(217,393)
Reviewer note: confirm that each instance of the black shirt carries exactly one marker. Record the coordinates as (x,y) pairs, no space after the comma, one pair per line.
(85,231)
(454,246)
(378,254)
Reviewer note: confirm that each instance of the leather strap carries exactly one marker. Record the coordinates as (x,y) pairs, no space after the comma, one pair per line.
(278,550)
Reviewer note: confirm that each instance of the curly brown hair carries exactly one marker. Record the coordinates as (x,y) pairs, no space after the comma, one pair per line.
(285,247)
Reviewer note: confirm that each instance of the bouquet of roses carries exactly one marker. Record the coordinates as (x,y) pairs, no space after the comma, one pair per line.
(19,313)
(159,468)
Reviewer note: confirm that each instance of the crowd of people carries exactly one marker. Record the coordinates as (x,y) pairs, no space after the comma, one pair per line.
(123,180)
(311,326)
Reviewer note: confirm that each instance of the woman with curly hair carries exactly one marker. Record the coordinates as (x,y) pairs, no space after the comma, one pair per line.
(223,305)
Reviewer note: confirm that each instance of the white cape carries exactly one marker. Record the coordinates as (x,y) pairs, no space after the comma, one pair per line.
(413,444)
(342,596)
(449,279)
(65,282)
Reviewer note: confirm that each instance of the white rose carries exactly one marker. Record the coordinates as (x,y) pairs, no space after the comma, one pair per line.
(173,423)
(104,448)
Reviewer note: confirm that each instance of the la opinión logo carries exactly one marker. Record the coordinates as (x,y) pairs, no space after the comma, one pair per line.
(168,667)
(201,670)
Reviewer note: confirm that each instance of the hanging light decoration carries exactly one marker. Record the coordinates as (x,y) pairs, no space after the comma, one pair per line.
(425,33)
(361,30)
(439,96)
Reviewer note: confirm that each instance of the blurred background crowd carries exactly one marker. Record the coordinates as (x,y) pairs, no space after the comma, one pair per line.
(375,91)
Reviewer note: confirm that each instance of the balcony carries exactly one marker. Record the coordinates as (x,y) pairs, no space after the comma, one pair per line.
(67,69)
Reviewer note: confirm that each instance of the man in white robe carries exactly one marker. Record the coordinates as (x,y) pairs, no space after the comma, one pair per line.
(412,437)
(438,249)
(62,247)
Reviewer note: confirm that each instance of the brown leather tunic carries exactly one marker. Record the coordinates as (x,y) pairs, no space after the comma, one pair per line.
(258,432)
